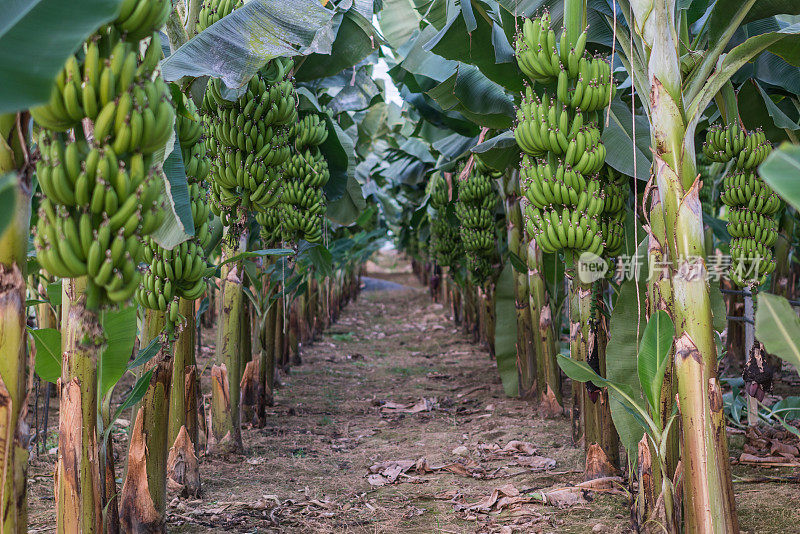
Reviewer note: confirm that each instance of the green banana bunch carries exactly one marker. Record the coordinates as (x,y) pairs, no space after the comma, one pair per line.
(445,237)
(445,242)
(567,229)
(311,131)
(179,273)
(482,168)
(101,196)
(475,212)
(213,10)
(438,191)
(567,203)
(302,201)
(752,221)
(270,226)
(582,83)
(538,53)
(549,127)
(250,140)
(140,18)
(190,126)
(749,149)
(171,274)
(115,92)
(612,225)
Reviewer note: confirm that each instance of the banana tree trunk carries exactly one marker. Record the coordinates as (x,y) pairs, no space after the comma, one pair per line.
(266,367)
(77,475)
(108,472)
(526,355)
(311,309)
(781,277)
(486,297)
(13,337)
(455,301)
(472,325)
(734,342)
(280,334)
(526,351)
(13,395)
(548,374)
(608,445)
(303,333)
(295,316)
(144,492)
(224,434)
(708,493)
(591,413)
(182,467)
(246,346)
(467,307)
(659,297)
(248,368)
(783,246)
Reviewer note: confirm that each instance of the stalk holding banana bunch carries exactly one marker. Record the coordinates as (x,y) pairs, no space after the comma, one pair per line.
(569,204)
(179,272)
(101,191)
(753,204)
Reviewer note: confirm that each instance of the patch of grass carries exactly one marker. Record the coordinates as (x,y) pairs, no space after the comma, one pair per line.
(610,511)
(51,440)
(331,393)
(343,337)
(326,372)
(325,420)
(767,508)
(299,453)
(414,370)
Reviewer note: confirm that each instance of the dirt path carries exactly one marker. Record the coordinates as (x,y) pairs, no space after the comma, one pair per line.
(395,381)
(307,470)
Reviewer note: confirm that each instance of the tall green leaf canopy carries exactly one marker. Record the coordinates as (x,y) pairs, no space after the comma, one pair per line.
(356,38)
(237,46)
(36,37)
(454,85)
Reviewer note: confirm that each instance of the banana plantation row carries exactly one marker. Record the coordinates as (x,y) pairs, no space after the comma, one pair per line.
(564,172)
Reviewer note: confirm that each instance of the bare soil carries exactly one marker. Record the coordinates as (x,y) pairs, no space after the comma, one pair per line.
(307,470)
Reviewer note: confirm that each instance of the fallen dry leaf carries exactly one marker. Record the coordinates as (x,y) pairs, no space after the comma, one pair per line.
(506,492)
(783,449)
(520,446)
(602,483)
(413,511)
(422,405)
(461,451)
(768,461)
(536,462)
(564,497)
(387,472)
(472,390)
